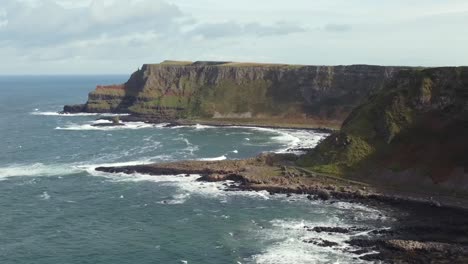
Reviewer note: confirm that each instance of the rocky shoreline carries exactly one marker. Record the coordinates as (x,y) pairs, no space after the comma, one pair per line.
(427,231)
(215,123)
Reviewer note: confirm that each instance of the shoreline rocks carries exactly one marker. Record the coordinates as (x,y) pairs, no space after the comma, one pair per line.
(423,233)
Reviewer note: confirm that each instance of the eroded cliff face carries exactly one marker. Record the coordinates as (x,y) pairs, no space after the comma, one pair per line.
(240,90)
(413,132)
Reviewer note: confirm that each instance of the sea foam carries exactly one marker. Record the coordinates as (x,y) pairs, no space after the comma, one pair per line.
(284,241)
(36,169)
(57,113)
(126,125)
(223,157)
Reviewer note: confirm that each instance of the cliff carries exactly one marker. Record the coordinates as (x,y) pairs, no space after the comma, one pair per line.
(226,90)
(411,133)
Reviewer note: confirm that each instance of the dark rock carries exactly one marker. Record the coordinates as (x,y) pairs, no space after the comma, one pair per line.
(108,125)
(323,195)
(78,108)
(321,242)
(320,229)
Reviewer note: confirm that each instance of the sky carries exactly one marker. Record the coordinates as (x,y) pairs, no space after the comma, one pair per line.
(118,36)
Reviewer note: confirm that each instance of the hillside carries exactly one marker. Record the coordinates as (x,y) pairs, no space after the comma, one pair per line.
(413,131)
(241,91)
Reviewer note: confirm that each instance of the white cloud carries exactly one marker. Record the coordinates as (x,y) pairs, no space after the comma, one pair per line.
(234,30)
(46,23)
(117,36)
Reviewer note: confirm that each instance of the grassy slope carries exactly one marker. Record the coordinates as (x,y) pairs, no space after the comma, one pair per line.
(419,124)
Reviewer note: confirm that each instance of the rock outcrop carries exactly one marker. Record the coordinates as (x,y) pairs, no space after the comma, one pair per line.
(412,133)
(225,90)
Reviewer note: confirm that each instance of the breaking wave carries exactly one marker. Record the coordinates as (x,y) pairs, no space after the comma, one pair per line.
(36,169)
(214,159)
(125,125)
(293,139)
(285,244)
(56,113)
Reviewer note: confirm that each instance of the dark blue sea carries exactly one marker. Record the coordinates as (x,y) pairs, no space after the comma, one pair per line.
(55,209)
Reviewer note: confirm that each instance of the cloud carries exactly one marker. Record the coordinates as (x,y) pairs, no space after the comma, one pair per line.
(233,29)
(47,23)
(337,27)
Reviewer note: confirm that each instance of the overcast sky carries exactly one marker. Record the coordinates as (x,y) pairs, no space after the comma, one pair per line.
(117,36)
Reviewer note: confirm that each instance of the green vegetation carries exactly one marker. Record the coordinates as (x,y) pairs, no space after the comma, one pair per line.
(252,64)
(414,121)
(109,92)
(229,97)
(178,63)
(99,106)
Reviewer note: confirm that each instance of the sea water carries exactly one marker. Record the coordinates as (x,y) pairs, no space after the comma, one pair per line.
(55,208)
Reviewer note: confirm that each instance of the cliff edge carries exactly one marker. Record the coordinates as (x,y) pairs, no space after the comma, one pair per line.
(240,91)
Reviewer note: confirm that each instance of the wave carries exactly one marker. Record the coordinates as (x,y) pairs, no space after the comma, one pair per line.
(37,169)
(61,114)
(214,159)
(284,241)
(185,186)
(294,139)
(91,168)
(44,196)
(291,138)
(199,127)
(41,169)
(196,126)
(57,113)
(126,125)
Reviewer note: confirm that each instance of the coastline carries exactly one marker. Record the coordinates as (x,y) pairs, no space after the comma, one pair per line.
(413,240)
(322,126)
(425,230)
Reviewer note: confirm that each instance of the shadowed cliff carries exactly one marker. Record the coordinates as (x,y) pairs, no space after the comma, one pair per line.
(412,131)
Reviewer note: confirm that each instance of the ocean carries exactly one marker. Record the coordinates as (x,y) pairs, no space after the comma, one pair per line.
(56,209)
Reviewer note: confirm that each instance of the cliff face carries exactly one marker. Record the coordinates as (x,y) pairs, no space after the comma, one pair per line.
(240,90)
(412,131)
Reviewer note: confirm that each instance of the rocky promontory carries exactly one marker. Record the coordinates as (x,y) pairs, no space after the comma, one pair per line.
(240,92)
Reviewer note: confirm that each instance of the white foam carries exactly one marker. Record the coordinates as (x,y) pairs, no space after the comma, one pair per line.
(186,185)
(45,196)
(101,121)
(127,125)
(57,113)
(41,169)
(362,212)
(36,169)
(49,113)
(214,159)
(199,127)
(91,168)
(285,244)
(291,138)
(294,138)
